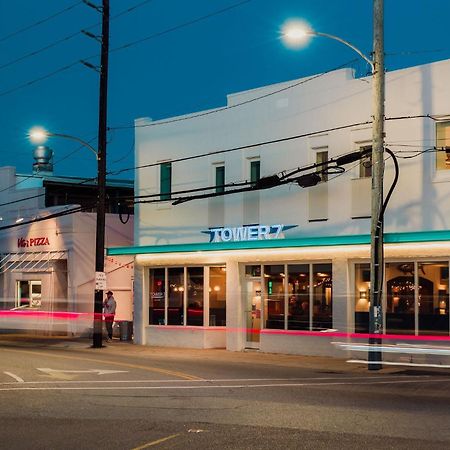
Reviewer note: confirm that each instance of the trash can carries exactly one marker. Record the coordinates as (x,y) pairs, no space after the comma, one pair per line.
(126,330)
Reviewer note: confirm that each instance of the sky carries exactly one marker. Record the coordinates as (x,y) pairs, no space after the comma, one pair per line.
(190,55)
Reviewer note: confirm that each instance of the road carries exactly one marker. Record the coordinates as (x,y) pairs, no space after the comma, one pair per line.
(65,395)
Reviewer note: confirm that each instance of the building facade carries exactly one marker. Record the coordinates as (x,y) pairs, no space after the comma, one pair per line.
(47,267)
(286,269)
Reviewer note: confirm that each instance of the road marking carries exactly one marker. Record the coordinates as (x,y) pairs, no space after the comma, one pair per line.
(117,363)
(150,444)
(227,380)
(17,378)
(97,371)
(227,386)
(393,363)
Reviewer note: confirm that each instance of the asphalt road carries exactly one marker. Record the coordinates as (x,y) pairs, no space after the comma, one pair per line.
(64,395)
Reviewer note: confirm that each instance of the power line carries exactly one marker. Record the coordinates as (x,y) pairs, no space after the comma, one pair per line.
(226,108)
(29,83)
(68,37)
(180,26)
(39,22)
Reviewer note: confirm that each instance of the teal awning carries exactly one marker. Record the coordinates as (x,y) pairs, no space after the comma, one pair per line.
(322,241)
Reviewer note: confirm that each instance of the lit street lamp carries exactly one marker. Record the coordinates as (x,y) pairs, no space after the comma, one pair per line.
(295,34)
(39,135)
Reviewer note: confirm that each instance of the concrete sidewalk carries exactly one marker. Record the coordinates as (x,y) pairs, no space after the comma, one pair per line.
(127,348)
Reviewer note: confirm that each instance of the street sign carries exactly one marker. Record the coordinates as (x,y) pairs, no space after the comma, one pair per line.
(100,281)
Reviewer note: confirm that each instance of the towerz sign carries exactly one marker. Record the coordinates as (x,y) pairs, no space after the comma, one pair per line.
(247,233)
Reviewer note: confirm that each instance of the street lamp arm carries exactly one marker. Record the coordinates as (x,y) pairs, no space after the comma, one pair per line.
(76,139)
(348,44)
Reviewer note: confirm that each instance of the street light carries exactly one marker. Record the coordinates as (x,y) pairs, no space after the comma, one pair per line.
(295,33)
(39,135)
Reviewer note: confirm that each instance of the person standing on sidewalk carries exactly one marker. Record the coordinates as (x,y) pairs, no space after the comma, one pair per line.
(109,310)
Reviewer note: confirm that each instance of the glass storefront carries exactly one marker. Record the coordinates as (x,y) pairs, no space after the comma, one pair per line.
(296,296)
(416,297)
(177,296)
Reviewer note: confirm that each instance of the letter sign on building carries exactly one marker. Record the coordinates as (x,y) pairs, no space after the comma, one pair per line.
(32,242)
(247,233)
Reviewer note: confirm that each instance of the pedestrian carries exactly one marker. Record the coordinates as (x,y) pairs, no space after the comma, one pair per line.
(109,310)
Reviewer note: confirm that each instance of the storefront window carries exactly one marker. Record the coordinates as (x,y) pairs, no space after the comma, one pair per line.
(217,296)
(362,297)
(299,298)
(157,297)
(195,296)
(175,314)
(322,297)
(400,298)
(433,298)
(274,296)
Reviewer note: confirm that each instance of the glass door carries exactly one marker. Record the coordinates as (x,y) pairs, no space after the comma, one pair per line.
(28,294)
(253,312)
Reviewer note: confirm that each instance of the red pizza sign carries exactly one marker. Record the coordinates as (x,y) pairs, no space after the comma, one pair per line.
(32,242)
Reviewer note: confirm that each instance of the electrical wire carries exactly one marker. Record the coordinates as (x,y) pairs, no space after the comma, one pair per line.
(70,36)
(62,69)
(180,26)
(226,108)
(39,22)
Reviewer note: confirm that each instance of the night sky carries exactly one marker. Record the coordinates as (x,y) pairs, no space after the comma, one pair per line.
(194,56)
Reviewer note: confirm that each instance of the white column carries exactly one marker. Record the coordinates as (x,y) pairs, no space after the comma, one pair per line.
(235,310)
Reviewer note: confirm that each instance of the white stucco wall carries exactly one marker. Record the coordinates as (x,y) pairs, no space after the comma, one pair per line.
(420,201)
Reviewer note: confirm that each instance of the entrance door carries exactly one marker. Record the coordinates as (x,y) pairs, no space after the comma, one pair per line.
(253,312)
(28,294)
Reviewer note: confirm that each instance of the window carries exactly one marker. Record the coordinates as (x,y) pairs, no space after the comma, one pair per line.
(322,157)
(220,179)
(195,296)
(303,290)
(178,291)
(365,165)
(362,297)
(299,297)
(274,296)
(255,171)
(217,296)
(156,313)
(442,140)
(175,315)
(165,181)
(416,297)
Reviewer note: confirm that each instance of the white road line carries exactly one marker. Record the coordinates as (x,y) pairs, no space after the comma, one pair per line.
(16,377)
(393,363)
(227,386)
(225,380)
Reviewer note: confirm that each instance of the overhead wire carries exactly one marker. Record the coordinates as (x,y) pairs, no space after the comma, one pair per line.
(40,22)
(69,66)
(70,36)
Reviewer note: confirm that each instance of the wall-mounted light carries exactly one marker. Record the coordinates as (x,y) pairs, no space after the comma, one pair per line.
(362,295)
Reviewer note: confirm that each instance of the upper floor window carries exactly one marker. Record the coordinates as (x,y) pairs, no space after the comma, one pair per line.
(165,181)
(443,140)
(321,158)
(365,165)
(255,170)
(220,179)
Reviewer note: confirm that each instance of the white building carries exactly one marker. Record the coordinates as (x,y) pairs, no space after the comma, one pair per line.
(47,268)
(285,292)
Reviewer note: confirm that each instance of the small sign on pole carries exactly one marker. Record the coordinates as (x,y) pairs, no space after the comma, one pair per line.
(100,281)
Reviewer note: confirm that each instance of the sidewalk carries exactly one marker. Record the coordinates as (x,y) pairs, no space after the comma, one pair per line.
(127,348)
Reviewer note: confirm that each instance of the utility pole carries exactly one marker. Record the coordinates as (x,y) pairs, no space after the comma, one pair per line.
(101,176)
(376,232)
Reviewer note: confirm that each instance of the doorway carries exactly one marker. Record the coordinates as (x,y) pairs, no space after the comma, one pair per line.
(253,311)
(29,294)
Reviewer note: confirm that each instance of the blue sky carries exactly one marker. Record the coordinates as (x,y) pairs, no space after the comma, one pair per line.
(190,68)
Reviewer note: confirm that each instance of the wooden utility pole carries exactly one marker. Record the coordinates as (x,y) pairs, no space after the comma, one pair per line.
(101,177)
(376,242)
